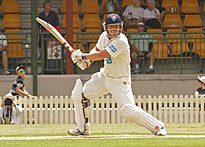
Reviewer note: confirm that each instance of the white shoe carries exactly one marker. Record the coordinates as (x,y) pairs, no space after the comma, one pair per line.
(76,132)
(12,122)
(162,132)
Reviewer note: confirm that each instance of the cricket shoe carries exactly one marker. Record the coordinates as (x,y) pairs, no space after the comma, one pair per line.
(76,131)
(162,132)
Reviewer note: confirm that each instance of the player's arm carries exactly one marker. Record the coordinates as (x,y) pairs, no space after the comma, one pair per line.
(22,92)
(97,55)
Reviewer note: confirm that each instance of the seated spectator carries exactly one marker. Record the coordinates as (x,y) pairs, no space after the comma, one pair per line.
(133,14)
(158,4)
(110,6)
(3,51)
(142,45)
(152,15)
(201,85)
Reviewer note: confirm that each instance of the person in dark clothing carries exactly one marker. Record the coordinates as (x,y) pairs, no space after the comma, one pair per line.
(49,16)
(201,85)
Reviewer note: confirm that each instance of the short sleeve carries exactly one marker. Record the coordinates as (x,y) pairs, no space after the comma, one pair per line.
(117,47)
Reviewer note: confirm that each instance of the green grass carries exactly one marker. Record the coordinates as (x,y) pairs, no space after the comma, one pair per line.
(98,129)
(159,142)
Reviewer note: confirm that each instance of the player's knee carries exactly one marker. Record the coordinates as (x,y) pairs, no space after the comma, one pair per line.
(77,99)
(130,112)
(77,91)
(85,102)
(86,106)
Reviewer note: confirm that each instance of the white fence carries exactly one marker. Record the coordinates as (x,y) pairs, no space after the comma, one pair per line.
(59,110)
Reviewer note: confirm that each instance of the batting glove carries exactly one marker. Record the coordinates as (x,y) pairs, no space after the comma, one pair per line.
(75,54)
(83,64)
(80,59)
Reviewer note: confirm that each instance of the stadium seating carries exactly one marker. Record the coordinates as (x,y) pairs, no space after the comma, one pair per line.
(192,20)
(76,21)
(12,24)
(197,39)
(11,21)
(92,37)
(127,2)
(75,37)
(90,7)
(168,4)
(190,6)
(199,47)
(177,40)
(155,31)
(13,37)
(78,46)
(160,50)
(130,30)
(174,35)
(172,21)
(195,35)
(15,48)
(91,21)
(10,6)
(204,7)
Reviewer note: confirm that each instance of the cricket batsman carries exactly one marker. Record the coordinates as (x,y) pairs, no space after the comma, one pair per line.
(114,78)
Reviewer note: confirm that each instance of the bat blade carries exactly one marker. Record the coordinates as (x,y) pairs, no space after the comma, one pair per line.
(55,33)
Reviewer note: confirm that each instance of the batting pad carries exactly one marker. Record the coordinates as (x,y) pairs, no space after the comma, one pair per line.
(137,115)
(76,96)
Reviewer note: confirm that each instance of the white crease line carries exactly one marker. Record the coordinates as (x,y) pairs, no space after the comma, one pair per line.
(99,137)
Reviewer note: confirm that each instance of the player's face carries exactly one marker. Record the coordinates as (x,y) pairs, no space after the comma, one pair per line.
(113,30)
(21,73)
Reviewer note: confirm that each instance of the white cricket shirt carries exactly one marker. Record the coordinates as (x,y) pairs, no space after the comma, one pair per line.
(117,65)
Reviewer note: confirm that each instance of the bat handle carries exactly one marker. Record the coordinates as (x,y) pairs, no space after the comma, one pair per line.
(70,49)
